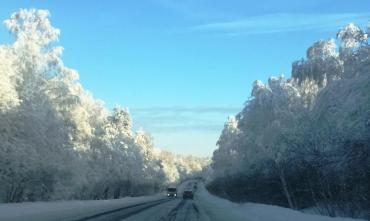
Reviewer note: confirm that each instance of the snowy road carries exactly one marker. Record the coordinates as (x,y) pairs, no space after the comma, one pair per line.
(168,209)
(164,209)
(175,210)
(122,213)
(204,207)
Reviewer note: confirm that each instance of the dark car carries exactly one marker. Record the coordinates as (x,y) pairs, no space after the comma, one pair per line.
(188,194)
(171,192)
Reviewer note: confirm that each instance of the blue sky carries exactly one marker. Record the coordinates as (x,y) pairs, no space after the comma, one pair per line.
(182,67)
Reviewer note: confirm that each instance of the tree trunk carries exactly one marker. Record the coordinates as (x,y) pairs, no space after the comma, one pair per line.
(285,189)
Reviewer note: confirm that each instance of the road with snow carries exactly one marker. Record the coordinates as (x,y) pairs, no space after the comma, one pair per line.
(179,209)
(204,207)
(167,209)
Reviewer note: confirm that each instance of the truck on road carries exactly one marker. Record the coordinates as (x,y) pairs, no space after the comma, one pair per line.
(172,192)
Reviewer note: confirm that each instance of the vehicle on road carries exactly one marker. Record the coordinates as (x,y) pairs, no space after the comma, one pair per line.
(172,192)
(188,194)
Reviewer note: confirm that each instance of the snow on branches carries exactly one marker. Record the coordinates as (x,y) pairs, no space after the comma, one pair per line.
(301,139)
(57,140)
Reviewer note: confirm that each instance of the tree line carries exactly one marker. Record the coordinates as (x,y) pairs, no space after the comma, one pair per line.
(57,141)
(304,142)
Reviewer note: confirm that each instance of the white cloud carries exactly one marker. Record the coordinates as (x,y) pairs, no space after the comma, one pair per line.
(179,109)
(275,23)
(180,119)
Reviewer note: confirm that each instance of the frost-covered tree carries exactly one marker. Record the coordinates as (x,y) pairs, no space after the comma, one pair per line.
(168,166)
(351,37)
(8,80)
(34,130)
(304,141)
(323,64)
(57,141)
(227,152)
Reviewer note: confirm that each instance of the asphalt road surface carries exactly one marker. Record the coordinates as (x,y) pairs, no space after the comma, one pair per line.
(166,209)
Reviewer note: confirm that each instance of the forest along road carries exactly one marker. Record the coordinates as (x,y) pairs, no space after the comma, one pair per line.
(169,209)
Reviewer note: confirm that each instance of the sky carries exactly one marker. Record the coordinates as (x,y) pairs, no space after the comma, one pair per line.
(183,67)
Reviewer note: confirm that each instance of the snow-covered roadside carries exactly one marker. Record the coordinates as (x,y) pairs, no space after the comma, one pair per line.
(65,210)
(219,207)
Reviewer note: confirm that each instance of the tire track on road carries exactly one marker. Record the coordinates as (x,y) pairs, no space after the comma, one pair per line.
(120,213)
(171,216)
(191,210)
